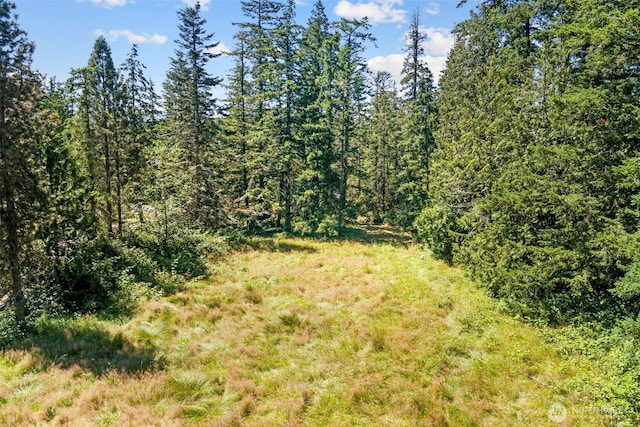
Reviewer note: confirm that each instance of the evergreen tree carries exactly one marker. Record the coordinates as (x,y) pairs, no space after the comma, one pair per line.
(264,82)
(536,144)
(381,158)
(317,180)
(236,124)
(287,147)
(103,147)
(412,179)
(350,89)
(139,115)
(190,109)
(21,192)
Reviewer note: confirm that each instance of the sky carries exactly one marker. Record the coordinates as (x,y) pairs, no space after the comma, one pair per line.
(64,31)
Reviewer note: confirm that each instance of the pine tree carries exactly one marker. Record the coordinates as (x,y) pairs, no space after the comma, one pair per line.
(536,146)
(236,125)
(264,80)
(21,195)
(190,108)
(286,146)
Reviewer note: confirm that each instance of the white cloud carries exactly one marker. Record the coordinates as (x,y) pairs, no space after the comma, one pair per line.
(108,3)
(432,8)
(222,48)
(393,65)
(204,4)
(439,41)
(436,65)
(390,63)
(378,11)
(134,38)
(437,45)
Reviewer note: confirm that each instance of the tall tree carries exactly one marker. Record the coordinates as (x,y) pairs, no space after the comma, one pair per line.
(139,116)
(190,108)
(102,148)
(412,180)
(20,159)
(317,181)
(381,154)
(287,149)
(537,143)
(350,91)
(235,126)
(264,80)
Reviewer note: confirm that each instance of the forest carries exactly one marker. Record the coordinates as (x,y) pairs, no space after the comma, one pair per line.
(522,165)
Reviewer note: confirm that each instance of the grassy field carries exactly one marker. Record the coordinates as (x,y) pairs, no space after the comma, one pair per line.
(370,331)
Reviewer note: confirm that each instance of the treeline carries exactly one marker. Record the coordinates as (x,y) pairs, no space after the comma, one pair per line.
(536,179)
(112,189)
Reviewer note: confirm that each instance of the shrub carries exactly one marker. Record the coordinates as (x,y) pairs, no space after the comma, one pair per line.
(328,227)
(433,226)
(183,252)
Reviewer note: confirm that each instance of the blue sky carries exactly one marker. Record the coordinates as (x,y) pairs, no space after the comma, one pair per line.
(64,30)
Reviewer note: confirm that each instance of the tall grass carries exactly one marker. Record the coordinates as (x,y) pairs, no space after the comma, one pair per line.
(301,332)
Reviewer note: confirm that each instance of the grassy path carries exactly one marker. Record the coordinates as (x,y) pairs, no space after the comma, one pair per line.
(300,332)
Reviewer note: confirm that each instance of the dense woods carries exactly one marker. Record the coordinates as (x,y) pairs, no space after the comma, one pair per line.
(534,183)
(523,165)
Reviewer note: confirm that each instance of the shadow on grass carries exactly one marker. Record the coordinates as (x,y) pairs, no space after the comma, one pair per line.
(276,245)
(376,234)
(86,344)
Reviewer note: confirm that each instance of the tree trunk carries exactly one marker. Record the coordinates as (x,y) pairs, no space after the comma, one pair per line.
(107,178)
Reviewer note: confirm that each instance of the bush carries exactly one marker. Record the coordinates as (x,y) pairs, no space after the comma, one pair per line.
(183,252)
(94,275)
(328,227)
(9,329)
(433,226)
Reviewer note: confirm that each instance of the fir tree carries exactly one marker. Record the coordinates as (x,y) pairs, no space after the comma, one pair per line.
(412,180)
(317,180)
(21,194)
(190,108)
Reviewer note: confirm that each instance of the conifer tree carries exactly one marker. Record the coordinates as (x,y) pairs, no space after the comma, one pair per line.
(100,110)
(381,154)
(349,96)
(190,109)
(235,127)
(286,146)
(263,78)
(21,192)
(317,180)
(412,179)
(139,115)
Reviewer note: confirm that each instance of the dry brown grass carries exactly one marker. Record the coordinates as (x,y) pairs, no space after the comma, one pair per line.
(299,332)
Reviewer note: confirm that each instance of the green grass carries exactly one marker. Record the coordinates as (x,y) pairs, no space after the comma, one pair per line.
(302,332)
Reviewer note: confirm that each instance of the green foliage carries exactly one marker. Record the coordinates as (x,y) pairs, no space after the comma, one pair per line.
(10,331)
(435,226)
(616,388)
(329,226)
(96,275)
(184,252)
(534,182)
(101,274)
